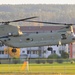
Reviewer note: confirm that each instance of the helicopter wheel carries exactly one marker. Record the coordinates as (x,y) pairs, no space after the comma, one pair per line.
(49,48)
(14,50)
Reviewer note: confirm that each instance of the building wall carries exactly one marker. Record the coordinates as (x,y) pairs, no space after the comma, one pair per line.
(32,52)
(73,50)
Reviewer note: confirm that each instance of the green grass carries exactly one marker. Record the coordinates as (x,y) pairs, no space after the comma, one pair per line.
(53,68)
(67,68)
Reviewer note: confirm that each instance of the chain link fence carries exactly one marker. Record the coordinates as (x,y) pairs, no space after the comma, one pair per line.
(37,66)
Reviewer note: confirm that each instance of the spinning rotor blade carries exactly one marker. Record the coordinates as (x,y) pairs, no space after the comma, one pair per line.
(50,23)
(18,20)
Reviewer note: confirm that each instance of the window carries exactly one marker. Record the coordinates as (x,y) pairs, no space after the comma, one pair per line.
(63,36)
(1,52)
(28,52)
(23,51)
(34,52)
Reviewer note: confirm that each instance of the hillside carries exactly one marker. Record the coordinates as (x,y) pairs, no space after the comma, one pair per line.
(53,13)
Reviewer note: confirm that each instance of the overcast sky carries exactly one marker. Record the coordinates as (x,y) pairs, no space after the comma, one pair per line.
(37,1)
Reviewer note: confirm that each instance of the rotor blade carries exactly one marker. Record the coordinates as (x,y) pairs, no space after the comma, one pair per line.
(19,20)
(23,19)
(50,23)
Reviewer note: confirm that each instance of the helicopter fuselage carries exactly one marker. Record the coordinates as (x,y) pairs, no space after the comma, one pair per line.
(38,39)
(13,37)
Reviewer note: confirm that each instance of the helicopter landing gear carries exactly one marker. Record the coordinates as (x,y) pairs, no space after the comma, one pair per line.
(49,48)
(14,50)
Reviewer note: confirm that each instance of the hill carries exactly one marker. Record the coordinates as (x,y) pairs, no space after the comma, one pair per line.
(53,13)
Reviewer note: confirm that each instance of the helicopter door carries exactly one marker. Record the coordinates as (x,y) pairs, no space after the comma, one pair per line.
(63,36)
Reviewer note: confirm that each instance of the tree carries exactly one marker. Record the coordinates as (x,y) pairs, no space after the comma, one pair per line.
(64,55)
(53,56)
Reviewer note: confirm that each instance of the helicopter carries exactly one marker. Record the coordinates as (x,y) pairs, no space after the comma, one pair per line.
(13,37)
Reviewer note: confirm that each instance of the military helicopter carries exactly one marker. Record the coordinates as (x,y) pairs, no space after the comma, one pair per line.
(12,36)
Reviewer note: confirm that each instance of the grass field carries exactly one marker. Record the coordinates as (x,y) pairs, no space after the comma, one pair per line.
(38,69)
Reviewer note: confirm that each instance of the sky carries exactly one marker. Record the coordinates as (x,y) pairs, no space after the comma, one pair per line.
(37,1)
